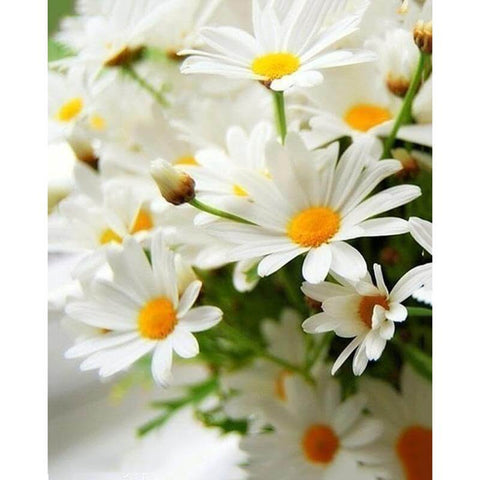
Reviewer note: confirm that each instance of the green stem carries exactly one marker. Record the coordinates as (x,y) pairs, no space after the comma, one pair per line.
(241,339)
(419,312)
(218,213)
(279,102)
(405,114)
(129,70)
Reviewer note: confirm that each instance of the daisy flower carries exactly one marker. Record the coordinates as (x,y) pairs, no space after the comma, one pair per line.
(285,49)
(140,312)
(363,310)
(313,204)
(316,435)
(421,231)
(407,418)
(264,381)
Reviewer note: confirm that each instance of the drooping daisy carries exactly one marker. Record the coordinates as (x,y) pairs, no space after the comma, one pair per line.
(312,204)
(316,435)
(407,419)
(421,231)
(285,50)
(363,310)
(263,382)
(141,312)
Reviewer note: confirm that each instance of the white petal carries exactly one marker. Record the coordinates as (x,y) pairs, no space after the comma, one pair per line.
(100,342)
(200,318)
(162,362)
(319,323)
(411,282)
(317,264)
(184,343)
(276,261)
(366,432)
(163,263)
(188,298)
(348,413)
(396,312)
(346,353)
(374,345)
(347,261)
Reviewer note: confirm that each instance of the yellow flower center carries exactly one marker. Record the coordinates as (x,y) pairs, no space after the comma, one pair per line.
(276,65)
(414,449)
(366,306)
(97,122)
(239,191)
(157,319)
(314,226)
(69,110)
(142,222)
(280,384)
(320,444)
(186,160)
(108,236)
(365,116)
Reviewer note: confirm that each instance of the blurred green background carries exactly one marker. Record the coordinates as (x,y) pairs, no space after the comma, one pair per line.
(56,10)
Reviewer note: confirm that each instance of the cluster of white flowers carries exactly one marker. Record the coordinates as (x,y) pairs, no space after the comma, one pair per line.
(310,120)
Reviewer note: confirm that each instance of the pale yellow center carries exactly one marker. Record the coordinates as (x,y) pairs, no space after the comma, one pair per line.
(366,306)
(276,65)
(364,116)
(320,444)
(108,236)
(69,110)
(239,191)
(97,122)
(414,449)
(186,160)
(157,319)
(142,222)
(314,226)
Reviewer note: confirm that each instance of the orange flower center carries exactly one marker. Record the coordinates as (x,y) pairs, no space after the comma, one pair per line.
(364,116)
(108,236)
(157,319)
(414,449)
(276,65)
(142,222)
(320,444)
(314,226)
(367,304)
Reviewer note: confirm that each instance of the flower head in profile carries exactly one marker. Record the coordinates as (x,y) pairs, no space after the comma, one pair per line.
(287,48)
(316,435)
(363,310)
(312,203)
(139,312)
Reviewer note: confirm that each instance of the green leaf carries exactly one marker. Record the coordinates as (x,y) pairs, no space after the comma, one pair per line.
(419,312)
(419,360)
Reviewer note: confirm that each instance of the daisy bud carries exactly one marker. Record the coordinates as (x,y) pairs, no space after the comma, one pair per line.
(422,36)
(398,85)
(389,256)
(410,165)
(175,186)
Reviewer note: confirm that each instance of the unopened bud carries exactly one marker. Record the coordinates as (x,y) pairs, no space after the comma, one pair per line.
(389,256)
(176,186)
(410,165)
(422,36)
(398,85)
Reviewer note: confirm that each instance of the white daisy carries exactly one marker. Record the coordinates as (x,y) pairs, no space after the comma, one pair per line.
(421,231)
(316,435)
(313,204)
(141,312)
(215,171)
(285,50)
(362,310)
(264,381)
(407,418)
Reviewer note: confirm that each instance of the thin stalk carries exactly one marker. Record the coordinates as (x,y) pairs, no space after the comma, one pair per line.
(279,102)
(405,113)
(130,71)
(218,213)
(419,312)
